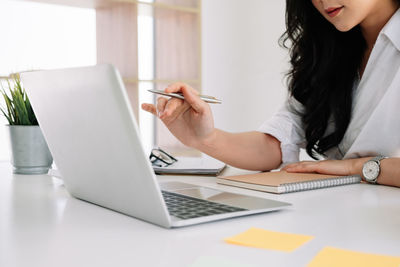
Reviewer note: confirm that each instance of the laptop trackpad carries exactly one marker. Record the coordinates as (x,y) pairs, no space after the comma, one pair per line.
(237,200)
(191,190)
(175,186)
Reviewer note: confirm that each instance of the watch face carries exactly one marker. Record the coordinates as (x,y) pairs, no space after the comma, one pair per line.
(371,170)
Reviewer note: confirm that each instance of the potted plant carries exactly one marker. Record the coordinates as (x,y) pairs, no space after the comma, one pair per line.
(30,153)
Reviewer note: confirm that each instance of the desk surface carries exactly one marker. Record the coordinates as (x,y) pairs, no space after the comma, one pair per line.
(41,225)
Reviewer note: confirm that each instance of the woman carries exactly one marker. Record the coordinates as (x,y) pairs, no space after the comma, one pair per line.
(344,87)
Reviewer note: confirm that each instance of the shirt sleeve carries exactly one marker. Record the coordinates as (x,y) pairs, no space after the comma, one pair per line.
(286,126)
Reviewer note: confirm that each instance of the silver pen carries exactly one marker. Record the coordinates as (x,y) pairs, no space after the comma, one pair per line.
(205,98)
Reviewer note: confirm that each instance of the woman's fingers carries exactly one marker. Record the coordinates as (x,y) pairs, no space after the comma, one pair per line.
(194,100)
(303,168)
(172,105)
(166,109)
(300,166)
(166,115)
(161,103)
(149,108)
(190,94)
(178,86)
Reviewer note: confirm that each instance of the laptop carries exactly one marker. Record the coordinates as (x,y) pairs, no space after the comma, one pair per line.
(89,125)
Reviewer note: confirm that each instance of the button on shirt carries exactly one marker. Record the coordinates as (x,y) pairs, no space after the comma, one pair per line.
(374,128)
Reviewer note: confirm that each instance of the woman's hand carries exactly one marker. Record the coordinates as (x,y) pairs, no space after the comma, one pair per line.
(189,120)
(333,167)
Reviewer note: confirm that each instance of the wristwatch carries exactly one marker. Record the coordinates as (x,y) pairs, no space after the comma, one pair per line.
(372,168)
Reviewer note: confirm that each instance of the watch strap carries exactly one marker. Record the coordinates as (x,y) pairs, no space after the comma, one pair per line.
(378,159)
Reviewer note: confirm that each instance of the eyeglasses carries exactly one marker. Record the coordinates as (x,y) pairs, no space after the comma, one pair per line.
(160,158)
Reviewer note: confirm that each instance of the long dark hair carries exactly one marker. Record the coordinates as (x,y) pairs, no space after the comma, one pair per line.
(324,67)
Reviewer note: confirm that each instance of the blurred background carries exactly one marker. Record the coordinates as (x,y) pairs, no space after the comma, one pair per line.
(225,48)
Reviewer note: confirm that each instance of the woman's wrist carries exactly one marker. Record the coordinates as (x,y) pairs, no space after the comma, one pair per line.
(208,142)
(357,166)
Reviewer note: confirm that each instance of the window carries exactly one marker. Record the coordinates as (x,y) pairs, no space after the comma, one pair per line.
(42,36)
(152,42)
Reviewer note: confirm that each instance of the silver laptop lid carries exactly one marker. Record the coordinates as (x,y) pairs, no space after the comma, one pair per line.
(108,166)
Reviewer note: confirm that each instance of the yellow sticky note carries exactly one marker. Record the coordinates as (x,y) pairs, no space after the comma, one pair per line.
(330,257)
(260,238)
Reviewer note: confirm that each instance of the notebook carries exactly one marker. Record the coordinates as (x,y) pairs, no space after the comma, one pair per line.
(284,182)
(204,165)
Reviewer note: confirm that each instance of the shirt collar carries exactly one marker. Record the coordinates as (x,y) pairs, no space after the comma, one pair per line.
(392,29)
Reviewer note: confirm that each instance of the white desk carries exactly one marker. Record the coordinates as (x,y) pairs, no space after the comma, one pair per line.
(41,225)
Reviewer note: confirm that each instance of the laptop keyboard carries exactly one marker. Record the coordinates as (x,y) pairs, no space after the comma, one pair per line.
(185,207)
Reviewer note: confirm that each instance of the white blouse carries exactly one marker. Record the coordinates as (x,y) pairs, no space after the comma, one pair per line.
(374,128)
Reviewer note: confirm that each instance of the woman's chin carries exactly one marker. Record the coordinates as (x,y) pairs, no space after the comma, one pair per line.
(343,27)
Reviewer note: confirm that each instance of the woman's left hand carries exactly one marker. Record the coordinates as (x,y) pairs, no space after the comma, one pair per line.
(333,167)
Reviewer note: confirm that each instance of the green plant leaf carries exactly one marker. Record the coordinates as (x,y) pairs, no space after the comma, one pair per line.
(19,110)
(31,114)
(10,108)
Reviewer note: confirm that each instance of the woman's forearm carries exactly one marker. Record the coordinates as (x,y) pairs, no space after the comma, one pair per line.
(389,175)
(248,150)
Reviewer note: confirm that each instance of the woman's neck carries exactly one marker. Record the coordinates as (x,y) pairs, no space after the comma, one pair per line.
(372,26)
(374,23)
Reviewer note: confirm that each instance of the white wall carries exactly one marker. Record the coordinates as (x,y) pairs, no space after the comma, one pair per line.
(242,61)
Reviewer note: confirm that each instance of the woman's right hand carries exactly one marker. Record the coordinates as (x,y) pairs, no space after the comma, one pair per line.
(189,120)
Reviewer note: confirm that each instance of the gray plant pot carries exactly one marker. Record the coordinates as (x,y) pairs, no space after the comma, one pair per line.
(30,153)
